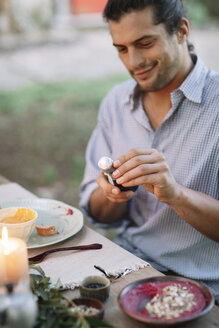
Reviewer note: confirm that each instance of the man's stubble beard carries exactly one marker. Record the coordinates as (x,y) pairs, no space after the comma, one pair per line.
(165,76)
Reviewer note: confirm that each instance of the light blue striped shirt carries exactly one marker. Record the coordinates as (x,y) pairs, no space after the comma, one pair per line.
(189,139)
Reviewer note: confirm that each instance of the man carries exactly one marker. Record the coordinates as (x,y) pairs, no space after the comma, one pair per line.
(162,130)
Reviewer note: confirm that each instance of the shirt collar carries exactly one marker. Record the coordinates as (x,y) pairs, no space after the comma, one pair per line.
(130,94)
(192,87)
(132,97)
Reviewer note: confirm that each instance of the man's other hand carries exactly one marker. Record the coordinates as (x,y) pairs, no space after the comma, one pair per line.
(147,167)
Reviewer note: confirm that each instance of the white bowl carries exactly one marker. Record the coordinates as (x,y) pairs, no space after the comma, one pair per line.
(21,230)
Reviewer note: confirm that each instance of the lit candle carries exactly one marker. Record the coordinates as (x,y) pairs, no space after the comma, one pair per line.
(2,266)
(13,258)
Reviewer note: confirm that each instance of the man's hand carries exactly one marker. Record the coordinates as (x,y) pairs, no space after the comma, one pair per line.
(147,167)
(108,204)
(113,193)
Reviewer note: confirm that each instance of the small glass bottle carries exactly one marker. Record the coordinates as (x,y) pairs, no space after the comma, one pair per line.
(106,165)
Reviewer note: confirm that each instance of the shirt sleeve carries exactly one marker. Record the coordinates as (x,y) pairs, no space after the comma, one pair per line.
(99,145)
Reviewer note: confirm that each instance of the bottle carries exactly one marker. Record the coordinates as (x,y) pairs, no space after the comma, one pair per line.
(106,165)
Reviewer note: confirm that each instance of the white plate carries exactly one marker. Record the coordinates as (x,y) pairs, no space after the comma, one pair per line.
(67,220)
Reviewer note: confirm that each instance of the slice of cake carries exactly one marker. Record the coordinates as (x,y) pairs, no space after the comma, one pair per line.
(46,231)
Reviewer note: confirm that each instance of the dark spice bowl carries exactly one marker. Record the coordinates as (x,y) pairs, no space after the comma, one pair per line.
(89,307)
(96,287)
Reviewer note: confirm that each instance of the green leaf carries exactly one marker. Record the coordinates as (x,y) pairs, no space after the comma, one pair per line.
(85,324)
(36,277)
(58,284)
(39,269)
(98,323)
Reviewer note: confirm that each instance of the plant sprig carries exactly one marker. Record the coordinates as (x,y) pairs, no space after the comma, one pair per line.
(54,308)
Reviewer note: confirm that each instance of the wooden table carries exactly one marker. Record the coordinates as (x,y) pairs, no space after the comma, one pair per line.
(115,316)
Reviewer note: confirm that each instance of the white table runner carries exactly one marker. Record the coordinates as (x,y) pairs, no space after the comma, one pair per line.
(10,191)
(71,267)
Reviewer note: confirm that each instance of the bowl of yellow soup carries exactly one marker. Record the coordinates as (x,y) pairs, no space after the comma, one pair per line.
(19,221)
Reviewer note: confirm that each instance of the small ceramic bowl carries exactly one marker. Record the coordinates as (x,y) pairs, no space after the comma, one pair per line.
(95,286)
(90,307)
(19,229)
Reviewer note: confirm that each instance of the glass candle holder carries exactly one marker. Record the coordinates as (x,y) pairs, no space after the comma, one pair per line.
(18,307)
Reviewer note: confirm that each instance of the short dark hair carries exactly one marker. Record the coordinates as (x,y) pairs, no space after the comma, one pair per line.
(168,12)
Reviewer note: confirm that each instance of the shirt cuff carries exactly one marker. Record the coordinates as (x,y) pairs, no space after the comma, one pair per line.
(84,205)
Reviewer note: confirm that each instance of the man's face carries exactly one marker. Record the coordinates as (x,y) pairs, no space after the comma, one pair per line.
(151,55)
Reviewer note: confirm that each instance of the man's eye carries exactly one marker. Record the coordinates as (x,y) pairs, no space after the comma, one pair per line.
(121,49)
(146,44)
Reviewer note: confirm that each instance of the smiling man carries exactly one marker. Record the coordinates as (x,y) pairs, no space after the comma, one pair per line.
(162,130)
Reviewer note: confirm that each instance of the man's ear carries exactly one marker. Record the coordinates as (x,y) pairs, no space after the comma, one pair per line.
(183,30)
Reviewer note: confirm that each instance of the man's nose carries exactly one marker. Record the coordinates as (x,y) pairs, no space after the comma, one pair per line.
(136,59)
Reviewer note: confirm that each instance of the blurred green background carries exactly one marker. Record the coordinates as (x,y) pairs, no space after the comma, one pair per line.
(44,128)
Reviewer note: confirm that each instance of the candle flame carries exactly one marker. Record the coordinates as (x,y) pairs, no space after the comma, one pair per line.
(5,240)
(5,235)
